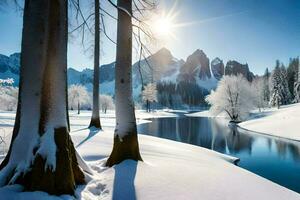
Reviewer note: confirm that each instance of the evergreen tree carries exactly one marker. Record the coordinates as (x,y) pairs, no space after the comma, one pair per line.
(292,77)
(280,94)
(297,83)
(266,87)
(286,95)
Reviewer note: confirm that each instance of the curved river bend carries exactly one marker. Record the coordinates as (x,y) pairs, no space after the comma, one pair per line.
(273,158)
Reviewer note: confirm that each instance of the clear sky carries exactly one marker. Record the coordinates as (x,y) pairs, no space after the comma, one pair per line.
(254,31)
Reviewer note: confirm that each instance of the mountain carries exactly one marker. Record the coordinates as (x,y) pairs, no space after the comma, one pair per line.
(196,70)
(217,68)
(10,67)
(233,68)
(162,66)
(196,66)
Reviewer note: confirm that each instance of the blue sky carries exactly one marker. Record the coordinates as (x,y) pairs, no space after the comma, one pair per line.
(254,31)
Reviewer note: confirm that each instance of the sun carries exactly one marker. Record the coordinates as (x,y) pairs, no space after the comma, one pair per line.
(163,26)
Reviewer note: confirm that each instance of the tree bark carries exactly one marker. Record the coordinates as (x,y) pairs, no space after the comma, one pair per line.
(95,120)
(42,155)
(78,108)
(125,137)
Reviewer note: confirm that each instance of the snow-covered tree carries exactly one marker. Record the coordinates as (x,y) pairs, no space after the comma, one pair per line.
(280,94)
(8,98)
(258,91)
(42,156)
(149,95)
(125,138)
(6,82)
(297,84)
(233,96)
(78,97)
(106,102)
(8,95)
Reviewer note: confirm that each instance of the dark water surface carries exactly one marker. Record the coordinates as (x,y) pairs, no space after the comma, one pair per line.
(275,159)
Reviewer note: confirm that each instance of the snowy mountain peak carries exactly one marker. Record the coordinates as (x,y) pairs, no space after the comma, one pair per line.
(217,68)
(196,66)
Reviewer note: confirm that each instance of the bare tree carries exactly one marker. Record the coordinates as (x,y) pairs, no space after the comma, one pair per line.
(95,120)
(41,155)
(125,138)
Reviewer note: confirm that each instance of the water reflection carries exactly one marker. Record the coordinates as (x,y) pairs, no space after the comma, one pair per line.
(274,159)
(203,132)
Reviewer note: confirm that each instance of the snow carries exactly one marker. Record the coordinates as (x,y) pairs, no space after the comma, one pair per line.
(171,170)
(283,122)
(48,149)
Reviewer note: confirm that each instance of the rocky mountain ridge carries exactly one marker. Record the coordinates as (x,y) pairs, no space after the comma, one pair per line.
(161,66)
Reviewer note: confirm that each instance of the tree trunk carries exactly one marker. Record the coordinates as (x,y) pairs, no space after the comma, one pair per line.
(95,120)
(42,156)
(78,108)
(125,138)
(147,105)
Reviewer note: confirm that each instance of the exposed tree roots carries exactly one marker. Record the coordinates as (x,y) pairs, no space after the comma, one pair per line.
(124,149)
(66,175)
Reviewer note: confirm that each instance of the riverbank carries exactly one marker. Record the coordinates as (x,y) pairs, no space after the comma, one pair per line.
(171,170)
(283,122)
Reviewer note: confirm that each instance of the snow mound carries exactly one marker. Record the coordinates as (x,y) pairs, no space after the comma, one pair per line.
(283,122)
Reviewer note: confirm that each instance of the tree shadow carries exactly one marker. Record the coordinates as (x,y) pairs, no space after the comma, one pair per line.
(92,133)
(81,129)
(124,188)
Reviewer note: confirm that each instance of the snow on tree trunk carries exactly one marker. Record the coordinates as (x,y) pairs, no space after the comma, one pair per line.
(42,156)
(95,120)
(125,138)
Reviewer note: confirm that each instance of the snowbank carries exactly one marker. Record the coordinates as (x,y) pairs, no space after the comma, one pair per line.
(283,122)
(171,170)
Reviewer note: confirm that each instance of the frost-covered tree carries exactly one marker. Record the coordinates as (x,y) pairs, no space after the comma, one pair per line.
(78,96)
(8,95)
(106,102)
(258,91)
(8,98)
(292,75)
(280,94)
(149,95)
(297,84)
(42,156)
(125,137)
(95,120)
(286,95)
(233,96)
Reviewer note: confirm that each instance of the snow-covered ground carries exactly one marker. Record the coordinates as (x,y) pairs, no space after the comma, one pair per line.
(283,122)
(170,170)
